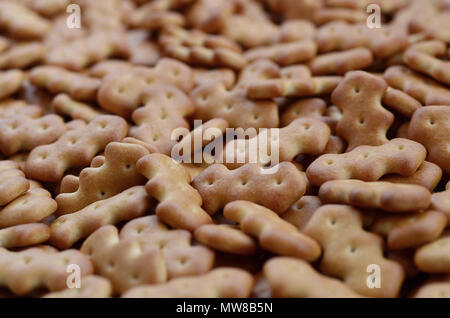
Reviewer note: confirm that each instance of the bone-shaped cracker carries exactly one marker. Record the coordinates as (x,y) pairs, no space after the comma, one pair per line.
(165,108)
(273,233)
(64,105)
(284,53)
(225,238)
(30,269)
(431,127)
(341,62)
(213,100)
(222,282)
(21,22)
(250,26)
(116,174)
(82,52)
(32,206)
(386,196)
(59,80)
(12,181)
(75,148)
(434,257)
(169,183)
(92,286)
(425,90)
(248,182)
(340,35)
(180,257)
(368,163)
(421,57)
(410,230)
(349,250)
(302,136)
(123,262)
(120,93)
(127,205)
(400,102)
(21,133)
(10,82)
(364,121)
(24,235)
(286,87)
(22,55)
(427,175)
(198,48)
(295,278)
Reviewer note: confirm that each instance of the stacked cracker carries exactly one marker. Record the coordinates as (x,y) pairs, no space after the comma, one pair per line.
(87,123)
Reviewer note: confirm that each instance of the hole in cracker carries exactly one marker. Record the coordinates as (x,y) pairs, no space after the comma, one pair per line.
(306,126)
(44,126)
(361,121)
(111,265)
(243,182)
(209,182)
(101,194)
(356,90)
(255,116)
(127,167)
(27,260)
(279,182)
(431,121)
(169,95)
(176,72)
(333,222)
(182,260)
(228,107)
(149,80)
(330,162)
(401,147)
(366,155)
(120,90)
(352,249)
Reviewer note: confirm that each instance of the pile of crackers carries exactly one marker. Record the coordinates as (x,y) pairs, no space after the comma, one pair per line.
(96,95)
